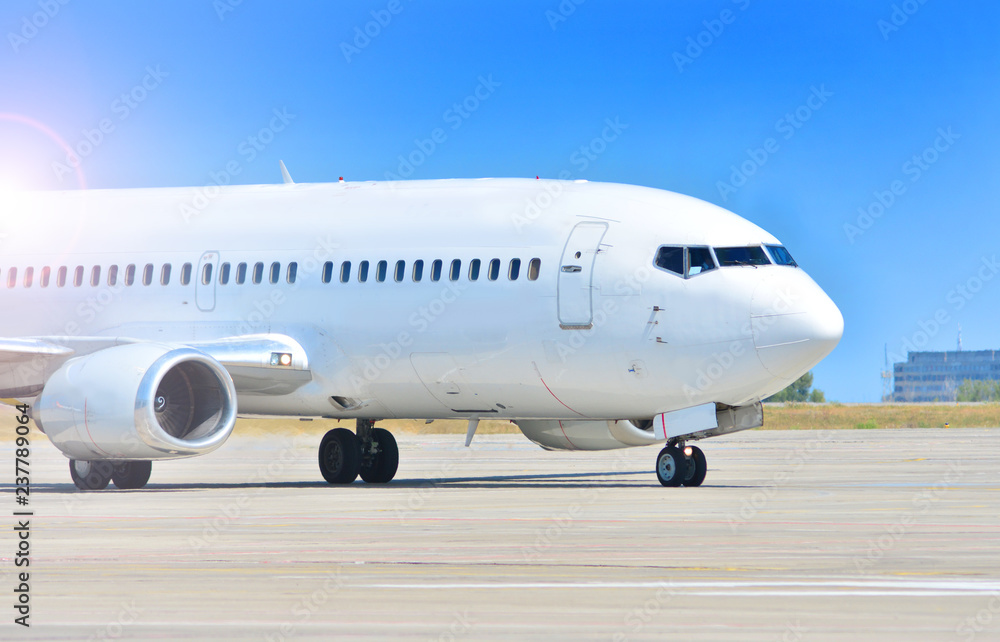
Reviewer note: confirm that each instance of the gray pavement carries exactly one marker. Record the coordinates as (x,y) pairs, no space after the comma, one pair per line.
(849,535)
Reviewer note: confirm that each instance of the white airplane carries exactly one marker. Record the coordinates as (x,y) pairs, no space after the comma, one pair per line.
(138,324)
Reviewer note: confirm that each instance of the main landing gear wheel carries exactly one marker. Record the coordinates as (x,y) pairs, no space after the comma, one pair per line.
(381,459)
(340,456)
(697,467)
(130,475)
(671,466)
(91,475)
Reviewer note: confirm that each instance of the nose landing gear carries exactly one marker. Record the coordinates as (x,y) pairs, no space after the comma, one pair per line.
(680,465)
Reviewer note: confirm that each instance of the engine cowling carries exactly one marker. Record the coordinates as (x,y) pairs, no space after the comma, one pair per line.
(138,401)
(587,434)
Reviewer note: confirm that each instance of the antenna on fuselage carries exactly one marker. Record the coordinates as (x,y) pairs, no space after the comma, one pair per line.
(285,175)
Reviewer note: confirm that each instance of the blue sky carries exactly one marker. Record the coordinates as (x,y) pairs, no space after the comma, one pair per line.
(821,108)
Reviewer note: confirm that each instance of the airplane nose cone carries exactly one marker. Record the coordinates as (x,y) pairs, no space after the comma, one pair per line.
(795,324)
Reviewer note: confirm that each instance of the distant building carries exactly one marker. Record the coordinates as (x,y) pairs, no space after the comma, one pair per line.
(936,376)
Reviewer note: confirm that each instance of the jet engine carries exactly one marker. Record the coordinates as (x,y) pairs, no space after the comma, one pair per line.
(584,434)
(139,401)
(697,422)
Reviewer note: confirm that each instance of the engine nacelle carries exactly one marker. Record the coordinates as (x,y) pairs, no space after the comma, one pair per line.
(697,422)
(584,434)
(138,401)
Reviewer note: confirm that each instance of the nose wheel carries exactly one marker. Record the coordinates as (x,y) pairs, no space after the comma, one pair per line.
(677,465)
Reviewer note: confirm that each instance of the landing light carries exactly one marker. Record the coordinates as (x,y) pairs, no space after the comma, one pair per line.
(688,451)
(281,359)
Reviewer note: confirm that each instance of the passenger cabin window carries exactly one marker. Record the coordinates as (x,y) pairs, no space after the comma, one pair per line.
(456,270)
(494,272)
(436,268)
(400,271)
(185,274)
(165,274)
(534,268)
(113,275)
(206,274)
(699,260)
(241,274)
(130,274)
(362,271)
(29,276)
(781,255)
(95,276)
(418,271)
(345,271)
(671,259)
(380,271)
(474,266)
(328,272)
(78,276)
(275,272)
(752,255)
(12,278)
(292,272)
(147,274)
(258,273)
(61,277)
(224,274)
(514,270)
(46,273)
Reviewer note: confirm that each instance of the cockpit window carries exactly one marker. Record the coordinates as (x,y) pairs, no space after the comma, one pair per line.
(685,261)
(781,255)
(699,260)
(753,255)
(671,259)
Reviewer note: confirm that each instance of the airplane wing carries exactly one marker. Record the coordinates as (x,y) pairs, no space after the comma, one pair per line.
(268,364)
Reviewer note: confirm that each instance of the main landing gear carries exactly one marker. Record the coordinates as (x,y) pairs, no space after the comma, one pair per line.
(680,465)
(371,453)
(96,475)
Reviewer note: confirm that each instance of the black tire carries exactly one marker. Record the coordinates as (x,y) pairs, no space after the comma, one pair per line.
(340,456)
(90,475)
(382,465)
(131,475)
(671,466)
(697,467)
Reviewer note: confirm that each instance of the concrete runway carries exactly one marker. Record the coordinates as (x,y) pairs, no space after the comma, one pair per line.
(849,535)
